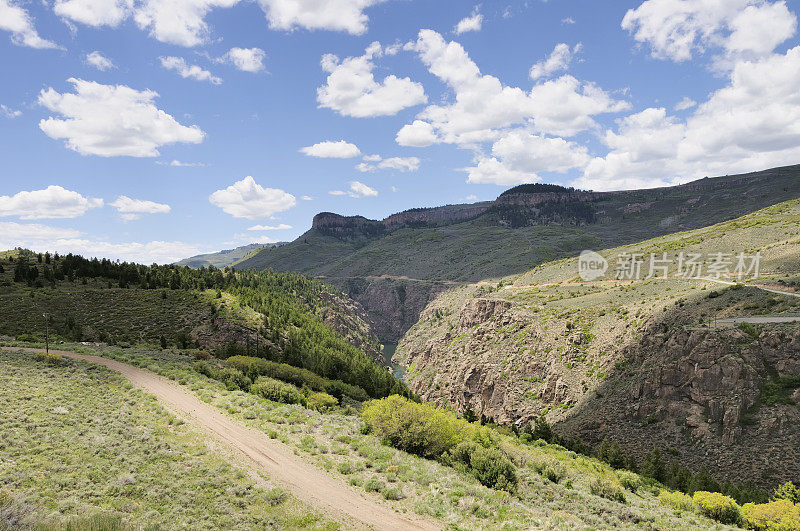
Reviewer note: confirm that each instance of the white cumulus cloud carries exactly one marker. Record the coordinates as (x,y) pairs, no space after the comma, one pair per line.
(558,61)
(99,61)
(679,29)
(94,12)
(335,15)
(483,106)
(180,22)
(332,150)
(356,190)
(351,88)
(112,120)
(402,164)
(247,199)
(188,71)
(19,23)
(752,123)
(519,157)
(130,209)
(246,59)
(474,22)
(52,202)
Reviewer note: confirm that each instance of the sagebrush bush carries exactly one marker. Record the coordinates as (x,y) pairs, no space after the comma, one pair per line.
(554,473)
(277,391)
(393,494)
(721,508)
(493,469)
(629,480)
(489,465)
(49,358)
(607,489)
(677,500)
(374,485)
(321,402)
(420,429)
(778,515)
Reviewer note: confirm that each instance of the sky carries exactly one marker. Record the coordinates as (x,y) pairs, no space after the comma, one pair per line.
(152,130)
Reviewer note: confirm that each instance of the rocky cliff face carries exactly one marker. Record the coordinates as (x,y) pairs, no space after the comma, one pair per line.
(698,392)
(716,398)
(391,306)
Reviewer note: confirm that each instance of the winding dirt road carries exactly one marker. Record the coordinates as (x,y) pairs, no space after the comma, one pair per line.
(305,482)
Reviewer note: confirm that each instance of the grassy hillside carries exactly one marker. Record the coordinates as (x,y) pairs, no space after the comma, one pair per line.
(224,258)
(635,361)
(80,447)
(554,488)
(282,317)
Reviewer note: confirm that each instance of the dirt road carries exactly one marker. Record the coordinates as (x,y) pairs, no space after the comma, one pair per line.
(305,482)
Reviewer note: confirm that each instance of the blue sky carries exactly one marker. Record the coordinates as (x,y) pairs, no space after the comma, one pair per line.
(129,128)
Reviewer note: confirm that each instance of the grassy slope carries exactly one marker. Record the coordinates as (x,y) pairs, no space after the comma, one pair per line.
(482,248)
(224,258)
(77,439)
(102,311)
(335,443)
(564,343)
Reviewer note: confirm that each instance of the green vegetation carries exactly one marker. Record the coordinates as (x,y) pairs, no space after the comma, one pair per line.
(717,506)
(778,515)
(452,494)
(499,242)
(299,377)
(81,449)
(283,310)
(277,391)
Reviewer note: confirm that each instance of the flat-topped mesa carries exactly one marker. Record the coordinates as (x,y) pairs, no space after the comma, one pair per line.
(444,215)
(347,228)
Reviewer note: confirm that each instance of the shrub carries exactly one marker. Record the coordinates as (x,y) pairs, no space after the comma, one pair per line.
(392,494)
(29,338)
(374,485)
(718,506)
(254,367)
(49,358)
(607,489)
(778,515)
(554,473)
(489,465)
(787,491)
(677,500)
(277,391)
(420,429)
(629,480)
(321,402)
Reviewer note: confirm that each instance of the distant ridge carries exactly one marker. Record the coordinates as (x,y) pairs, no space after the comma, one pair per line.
(226,257)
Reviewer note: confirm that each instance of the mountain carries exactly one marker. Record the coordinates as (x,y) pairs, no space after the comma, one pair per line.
(226,257)
(705,369)
(396,266)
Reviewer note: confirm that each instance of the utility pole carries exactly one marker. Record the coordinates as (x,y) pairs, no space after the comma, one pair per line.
(46,332)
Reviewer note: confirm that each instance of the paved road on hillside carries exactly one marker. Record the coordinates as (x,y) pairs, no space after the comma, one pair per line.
(278,461)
